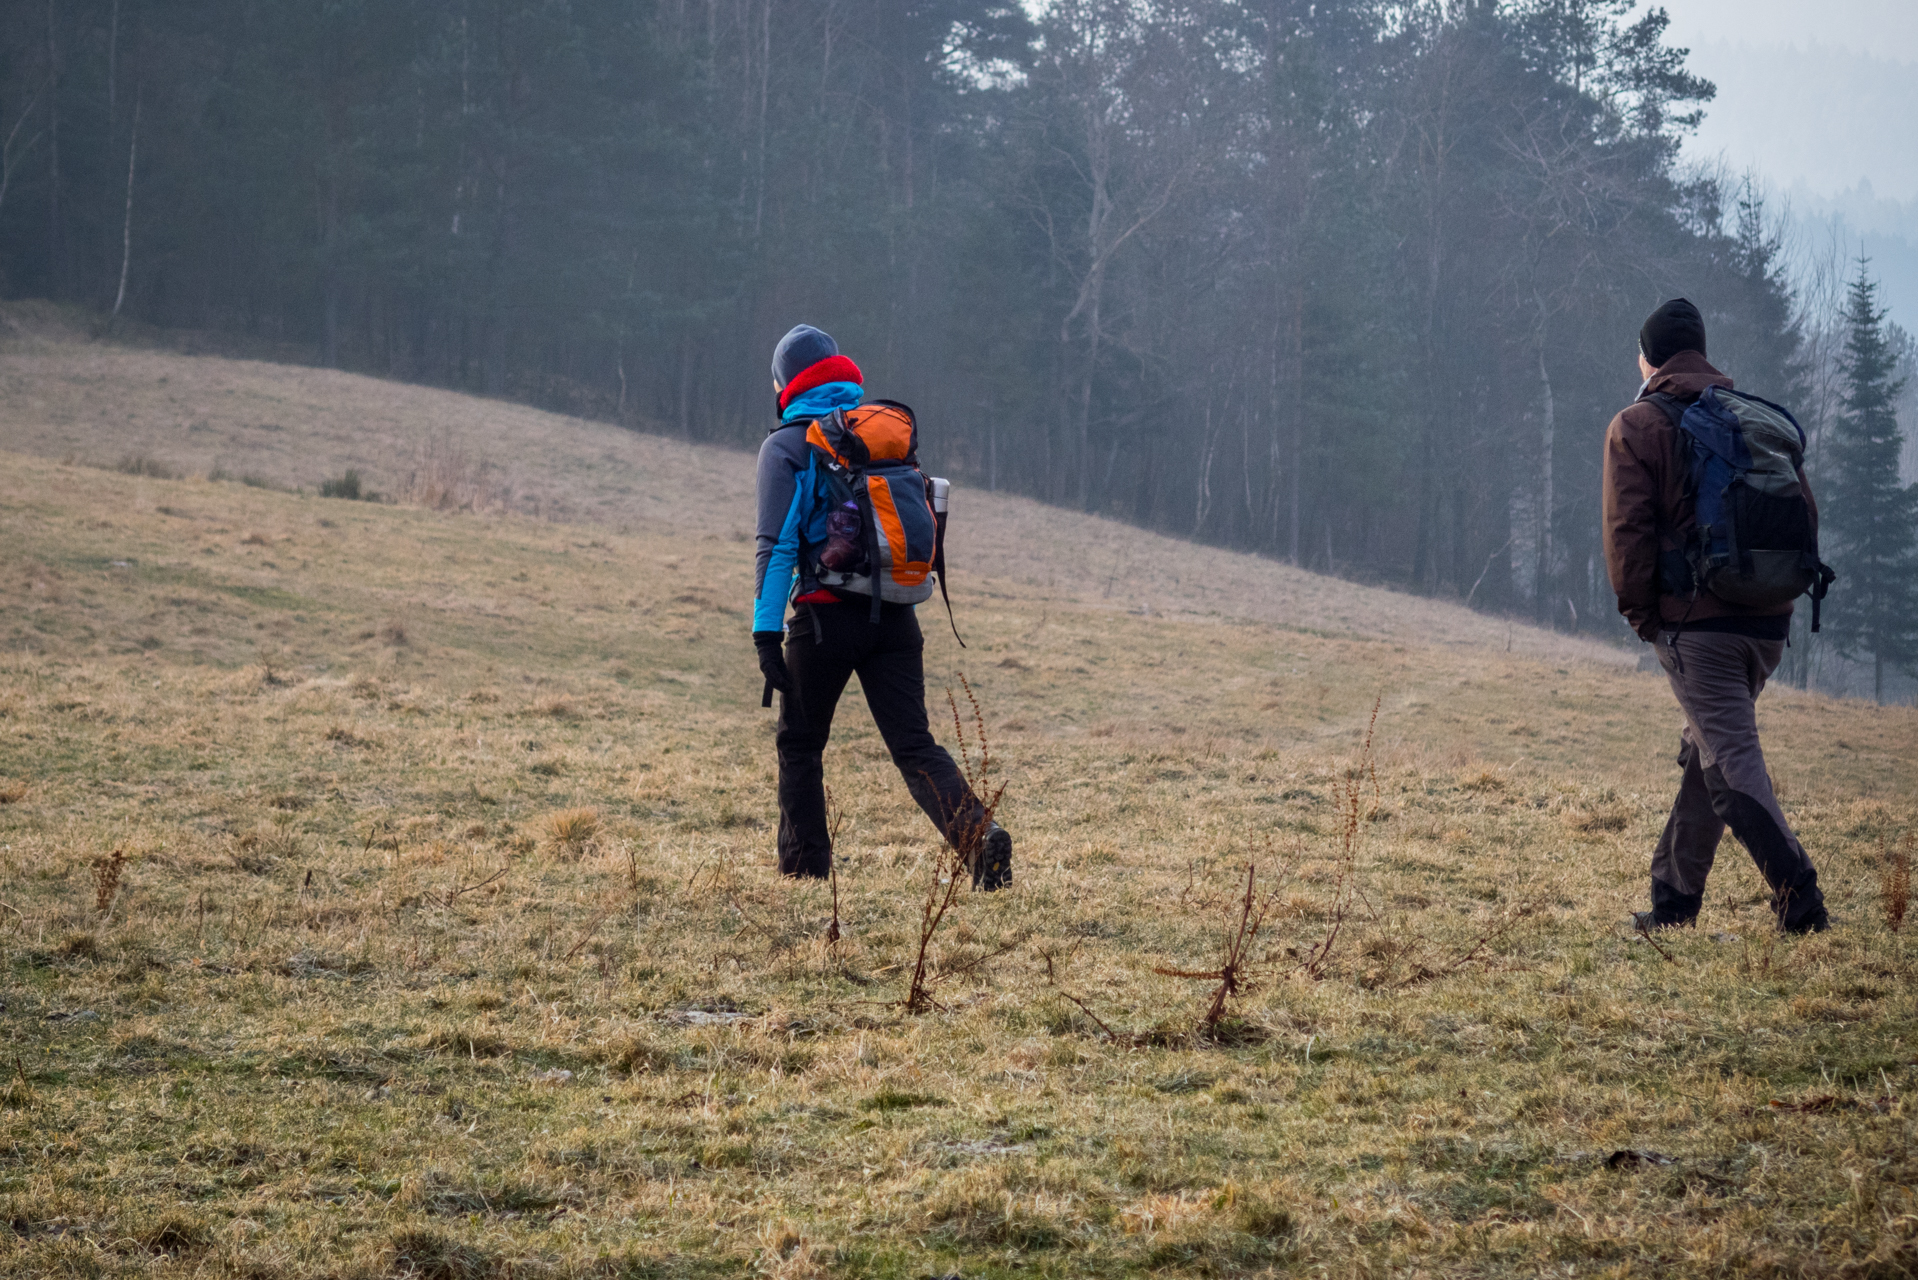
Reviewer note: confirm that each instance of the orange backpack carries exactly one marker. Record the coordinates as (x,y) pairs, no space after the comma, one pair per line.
(897,546)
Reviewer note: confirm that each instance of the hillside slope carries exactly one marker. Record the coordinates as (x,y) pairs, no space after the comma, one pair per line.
(388,891)
(66,397)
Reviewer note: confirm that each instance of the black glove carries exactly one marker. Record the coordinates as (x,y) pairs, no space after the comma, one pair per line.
(772,662)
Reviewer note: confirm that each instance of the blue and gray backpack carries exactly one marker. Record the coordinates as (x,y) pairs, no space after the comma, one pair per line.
(1754,544)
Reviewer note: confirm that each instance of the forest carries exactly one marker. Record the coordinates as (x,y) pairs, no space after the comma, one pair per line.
(1351,284)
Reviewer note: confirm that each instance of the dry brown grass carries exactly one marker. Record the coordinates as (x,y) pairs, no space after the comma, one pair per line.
(570,833)
(349,1018)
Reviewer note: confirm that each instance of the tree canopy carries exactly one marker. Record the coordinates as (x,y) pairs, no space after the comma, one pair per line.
(1354,283)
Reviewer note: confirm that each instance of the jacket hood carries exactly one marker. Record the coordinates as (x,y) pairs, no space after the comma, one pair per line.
(1685,377)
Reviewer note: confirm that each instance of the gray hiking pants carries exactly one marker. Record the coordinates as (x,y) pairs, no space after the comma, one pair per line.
(1717,677)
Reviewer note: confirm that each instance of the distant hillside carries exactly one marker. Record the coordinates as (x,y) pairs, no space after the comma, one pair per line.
(68,396)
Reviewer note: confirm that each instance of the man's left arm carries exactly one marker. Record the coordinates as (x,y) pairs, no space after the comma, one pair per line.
(1630,526)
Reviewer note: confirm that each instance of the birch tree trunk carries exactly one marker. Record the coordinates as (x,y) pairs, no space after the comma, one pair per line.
(126,225)
(1542,593)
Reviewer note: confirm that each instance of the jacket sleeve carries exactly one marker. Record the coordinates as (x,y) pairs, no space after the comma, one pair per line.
(1630,518)
(781,511)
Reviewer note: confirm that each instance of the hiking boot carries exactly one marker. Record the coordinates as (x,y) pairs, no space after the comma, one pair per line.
(1801,908)
(1646,921)
(1670,908)
(992,864)
(1813,922)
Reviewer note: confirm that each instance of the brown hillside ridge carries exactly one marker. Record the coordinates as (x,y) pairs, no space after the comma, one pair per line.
(443,938)
(99,402)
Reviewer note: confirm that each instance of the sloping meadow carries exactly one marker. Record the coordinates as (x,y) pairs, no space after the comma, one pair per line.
(389,892)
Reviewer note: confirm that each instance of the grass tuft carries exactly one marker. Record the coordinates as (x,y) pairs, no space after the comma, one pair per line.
(175,1236)
(1600,821)
(1263,1219)
(430,1255)
(467,1043)
(571,833)
(889,1100)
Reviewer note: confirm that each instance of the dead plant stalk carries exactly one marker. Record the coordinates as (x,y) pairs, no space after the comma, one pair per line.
(106,880)
(965,842)
(1895,887)
(1345,886)
(1231,975)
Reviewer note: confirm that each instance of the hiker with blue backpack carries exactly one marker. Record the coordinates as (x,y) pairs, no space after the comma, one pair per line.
(1711,535)
(851,534)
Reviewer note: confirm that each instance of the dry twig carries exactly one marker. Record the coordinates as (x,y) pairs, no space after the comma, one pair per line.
(965,842)
(1345,887)
(835,821)
(447,899)
(1646,933)
(1501,925)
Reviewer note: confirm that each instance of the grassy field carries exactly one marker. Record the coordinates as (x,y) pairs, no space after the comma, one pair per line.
(387,890)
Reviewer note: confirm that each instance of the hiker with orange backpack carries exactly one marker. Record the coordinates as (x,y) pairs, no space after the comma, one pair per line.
(847,533)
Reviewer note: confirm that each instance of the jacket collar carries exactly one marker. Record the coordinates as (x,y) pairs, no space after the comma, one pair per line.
(1683,377)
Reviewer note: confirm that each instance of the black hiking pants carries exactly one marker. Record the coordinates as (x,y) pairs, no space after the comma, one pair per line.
(825,646)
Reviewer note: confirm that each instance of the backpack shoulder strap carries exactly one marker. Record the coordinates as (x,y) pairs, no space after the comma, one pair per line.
(1683,453)
(1673,407)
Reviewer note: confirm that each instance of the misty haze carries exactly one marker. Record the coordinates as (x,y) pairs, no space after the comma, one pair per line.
(958,638)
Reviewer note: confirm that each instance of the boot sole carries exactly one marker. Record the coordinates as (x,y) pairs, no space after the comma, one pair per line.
(994,868)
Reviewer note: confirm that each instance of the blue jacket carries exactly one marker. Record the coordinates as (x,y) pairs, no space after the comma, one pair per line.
(792,521)
(792,507)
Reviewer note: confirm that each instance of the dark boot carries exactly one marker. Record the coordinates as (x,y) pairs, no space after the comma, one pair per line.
(991,861)
(1801,907)
(1670,908)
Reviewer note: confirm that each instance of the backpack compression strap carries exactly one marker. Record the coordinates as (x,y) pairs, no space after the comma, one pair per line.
(939,569)
(1822,578)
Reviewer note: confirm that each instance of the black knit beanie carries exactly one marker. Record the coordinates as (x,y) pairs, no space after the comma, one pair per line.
(1674,327)
(801,348)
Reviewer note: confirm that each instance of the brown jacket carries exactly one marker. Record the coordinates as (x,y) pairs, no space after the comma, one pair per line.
(1646,508)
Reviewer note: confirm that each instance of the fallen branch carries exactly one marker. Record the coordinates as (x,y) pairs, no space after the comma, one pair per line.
(1110,1034)
(1502,926)
(447,901)
(592,927)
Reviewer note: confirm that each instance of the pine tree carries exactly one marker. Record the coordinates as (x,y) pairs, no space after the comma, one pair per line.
(1870,520)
